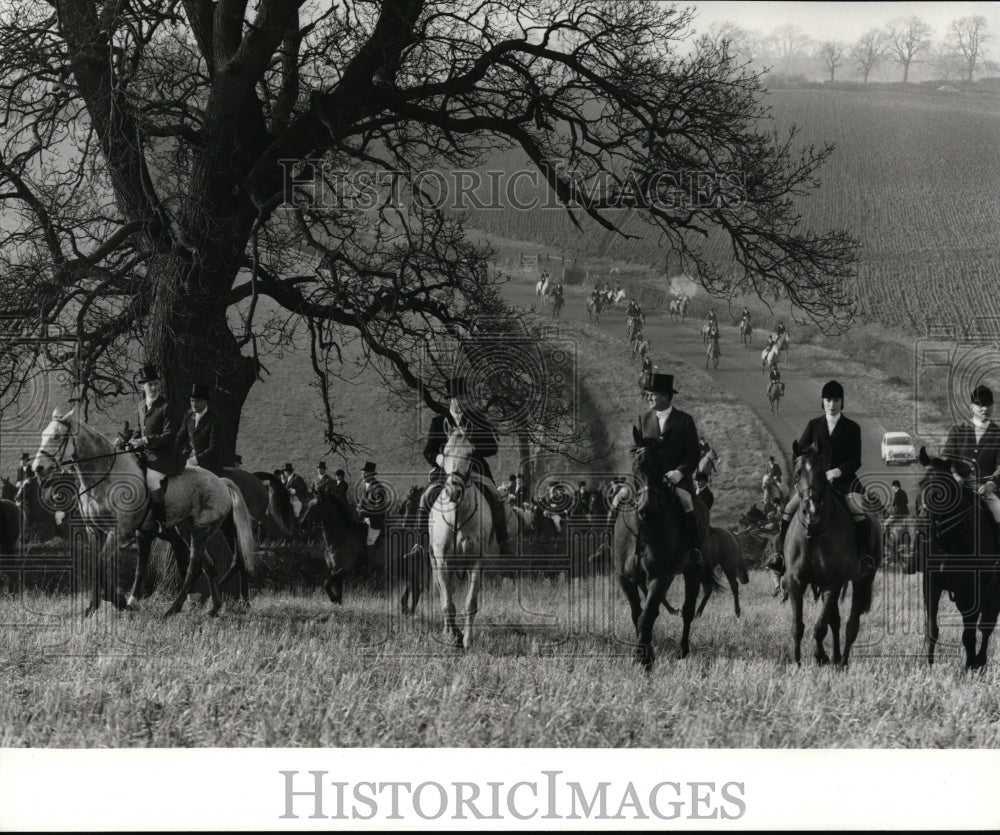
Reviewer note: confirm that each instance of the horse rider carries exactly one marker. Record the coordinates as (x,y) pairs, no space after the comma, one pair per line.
(583,499)
(679,435)
(322,483)
(199,439)
(973,448)
(373,505)
(713,321)
(339,488)
(773,469)
(900,501)
(745,316)
(780,330)
(483,437)
(520,494)
(837,440)
(23,469)
(294,483)
(774,377)
(702,490)
(159,423)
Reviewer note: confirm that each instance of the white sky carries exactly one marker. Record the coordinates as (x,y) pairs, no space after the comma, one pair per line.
(843,21)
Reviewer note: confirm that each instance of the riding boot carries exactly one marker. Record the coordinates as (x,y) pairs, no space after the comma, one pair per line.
(693,537)
(158,504)
(776,562)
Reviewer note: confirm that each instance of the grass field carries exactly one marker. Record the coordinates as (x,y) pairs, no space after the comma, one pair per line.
(546,670)
(913,177)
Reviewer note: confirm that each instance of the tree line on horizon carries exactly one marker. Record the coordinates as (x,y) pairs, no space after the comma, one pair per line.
(883,52)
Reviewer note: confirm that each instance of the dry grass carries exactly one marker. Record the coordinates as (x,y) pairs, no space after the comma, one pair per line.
(293,672)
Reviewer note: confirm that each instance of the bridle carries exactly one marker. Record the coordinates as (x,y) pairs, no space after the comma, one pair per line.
(62,464)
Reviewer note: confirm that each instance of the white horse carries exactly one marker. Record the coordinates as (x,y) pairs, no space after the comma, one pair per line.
(542,289)
(620,298)
(773,489)
(114,501)
(768,357)
(461,535)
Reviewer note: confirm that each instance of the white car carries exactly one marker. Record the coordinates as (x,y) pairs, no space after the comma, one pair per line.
(897,448)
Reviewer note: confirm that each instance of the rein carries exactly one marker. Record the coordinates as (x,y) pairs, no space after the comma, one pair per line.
(62,464)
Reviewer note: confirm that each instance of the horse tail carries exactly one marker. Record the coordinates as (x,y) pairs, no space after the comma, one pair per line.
(244,527)
(279,503)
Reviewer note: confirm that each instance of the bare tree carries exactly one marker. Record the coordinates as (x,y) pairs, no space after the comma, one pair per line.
(831,53)
(967,36)
(786,43)
(742,43)
(207,179)
(905,39)
(868,52)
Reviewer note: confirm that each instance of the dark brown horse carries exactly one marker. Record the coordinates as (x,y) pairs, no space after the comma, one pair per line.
(721,549)
(346,547)
(645,579)
(821,552)
(960,558)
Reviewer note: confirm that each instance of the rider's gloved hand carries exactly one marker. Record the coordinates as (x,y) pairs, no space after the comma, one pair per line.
(675,476)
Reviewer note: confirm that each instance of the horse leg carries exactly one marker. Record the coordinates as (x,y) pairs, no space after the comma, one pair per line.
(444,579)
(798,626)
(144,541)
(692,579)
(819,630)
(735,586)
(632,595)
(854,618)
(199,543)
(835,630)
(334,585)
(471,604)
(194,571)
(655,593)
(706,585)
(931,601)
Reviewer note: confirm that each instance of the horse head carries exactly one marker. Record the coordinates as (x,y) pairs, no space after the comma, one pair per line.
(457,461)
(55,438)
(810,482)
(944,500)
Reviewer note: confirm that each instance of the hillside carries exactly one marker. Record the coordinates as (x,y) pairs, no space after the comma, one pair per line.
(914,176)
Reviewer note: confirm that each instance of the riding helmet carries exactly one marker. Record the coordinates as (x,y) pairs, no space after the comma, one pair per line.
(833,391)
(982,396)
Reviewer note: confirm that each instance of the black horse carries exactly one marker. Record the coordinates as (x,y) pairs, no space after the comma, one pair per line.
(346,547)
(961,558)
(645,579)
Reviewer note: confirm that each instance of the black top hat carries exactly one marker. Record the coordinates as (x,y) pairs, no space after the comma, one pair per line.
(661,384)
(832,391)
(321,465)
(25,456)
(369,467)
(289,468)
(982,396)
(896,483)
(340,473)
(149,373)
(199,391)
(456,386)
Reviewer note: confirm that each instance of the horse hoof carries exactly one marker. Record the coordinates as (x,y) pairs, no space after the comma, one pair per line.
(131,603)
(214,611)
(173,610)
(90,611)
(822,660)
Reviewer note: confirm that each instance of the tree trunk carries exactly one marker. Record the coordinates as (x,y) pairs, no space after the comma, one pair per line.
(191,340)
(524,467)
